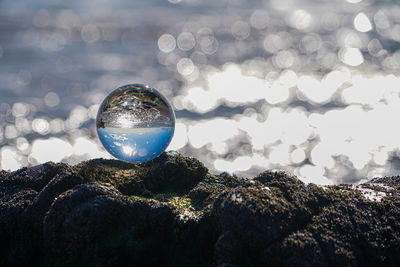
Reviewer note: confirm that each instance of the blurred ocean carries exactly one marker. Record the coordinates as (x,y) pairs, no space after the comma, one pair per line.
(312,86)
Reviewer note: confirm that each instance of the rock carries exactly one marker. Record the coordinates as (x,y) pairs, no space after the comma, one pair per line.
(86,217)
(172,212)
(18,191)
(33,178)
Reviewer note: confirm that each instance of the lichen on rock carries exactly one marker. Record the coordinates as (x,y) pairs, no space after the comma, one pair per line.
(172,211)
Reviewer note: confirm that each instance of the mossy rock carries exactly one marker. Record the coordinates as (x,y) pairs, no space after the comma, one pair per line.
(172,211)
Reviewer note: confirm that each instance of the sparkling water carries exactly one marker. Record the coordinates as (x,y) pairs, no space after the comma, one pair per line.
(135,123)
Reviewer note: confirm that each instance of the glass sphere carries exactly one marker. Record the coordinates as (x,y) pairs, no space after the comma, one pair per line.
(135,123)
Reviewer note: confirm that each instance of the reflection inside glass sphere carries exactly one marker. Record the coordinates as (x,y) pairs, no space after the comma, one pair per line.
(135,123)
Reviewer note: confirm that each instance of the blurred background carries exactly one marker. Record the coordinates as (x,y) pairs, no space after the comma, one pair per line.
(311,86)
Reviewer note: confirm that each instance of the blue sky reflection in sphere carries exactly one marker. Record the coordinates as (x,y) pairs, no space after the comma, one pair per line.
(135,123)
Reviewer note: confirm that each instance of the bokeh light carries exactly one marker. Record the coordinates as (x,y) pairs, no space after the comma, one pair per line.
(310,87)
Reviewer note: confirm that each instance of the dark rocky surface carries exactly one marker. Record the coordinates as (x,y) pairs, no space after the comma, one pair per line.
(173,212)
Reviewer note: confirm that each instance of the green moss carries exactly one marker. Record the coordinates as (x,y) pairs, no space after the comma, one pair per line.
(165,196)
(123,176)
(210,178)
(185,205)
(134,198)
(182,203)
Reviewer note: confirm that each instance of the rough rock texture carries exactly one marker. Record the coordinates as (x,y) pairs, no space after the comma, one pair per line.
(172,212)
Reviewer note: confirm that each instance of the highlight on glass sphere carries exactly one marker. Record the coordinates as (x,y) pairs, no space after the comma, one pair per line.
(135,123)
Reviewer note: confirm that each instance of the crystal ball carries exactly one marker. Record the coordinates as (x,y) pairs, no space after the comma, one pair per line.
(135,123)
